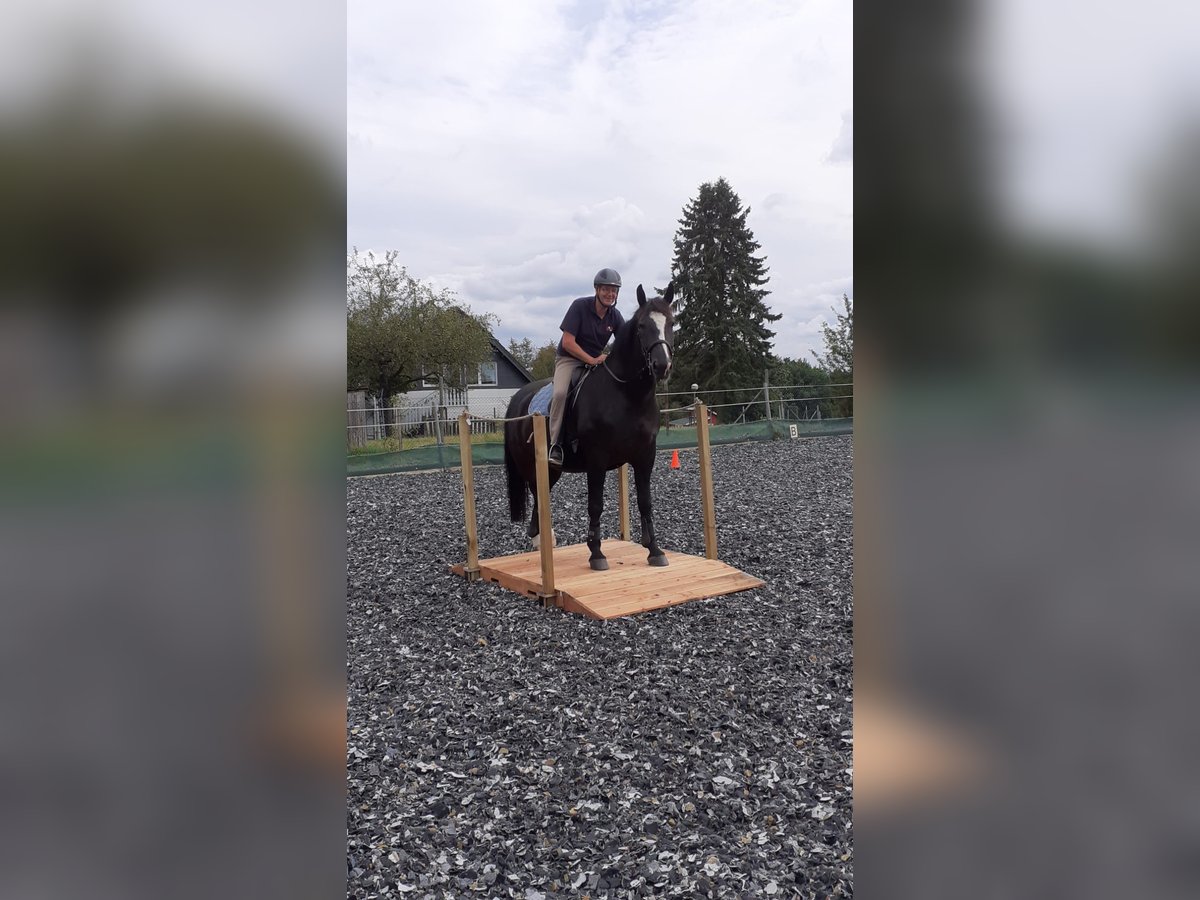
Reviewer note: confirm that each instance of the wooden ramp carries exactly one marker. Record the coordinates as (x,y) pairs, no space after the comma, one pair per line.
(629,586)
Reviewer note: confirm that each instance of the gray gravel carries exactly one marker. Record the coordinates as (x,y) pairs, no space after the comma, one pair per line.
(498,749)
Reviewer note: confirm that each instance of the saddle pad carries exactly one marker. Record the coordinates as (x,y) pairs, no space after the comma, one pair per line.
(541,400)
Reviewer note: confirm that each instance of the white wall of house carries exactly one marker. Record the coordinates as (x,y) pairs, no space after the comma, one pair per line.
(478,401)
(484,399)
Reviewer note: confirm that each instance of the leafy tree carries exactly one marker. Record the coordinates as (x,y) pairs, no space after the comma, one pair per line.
(838,359)
(522,351)
(399,330)
(802,390)
(543,363)
(721,339)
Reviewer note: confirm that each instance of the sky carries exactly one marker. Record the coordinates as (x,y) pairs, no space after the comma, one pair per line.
(507,151)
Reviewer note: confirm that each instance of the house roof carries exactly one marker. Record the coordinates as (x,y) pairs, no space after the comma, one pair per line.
(512,359)
(502,351)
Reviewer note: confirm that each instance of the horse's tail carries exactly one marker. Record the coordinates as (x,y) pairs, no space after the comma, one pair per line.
(517,488)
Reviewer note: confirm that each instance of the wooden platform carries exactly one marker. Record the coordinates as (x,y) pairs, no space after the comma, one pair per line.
(629,586)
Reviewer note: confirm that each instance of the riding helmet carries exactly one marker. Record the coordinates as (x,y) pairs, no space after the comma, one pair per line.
(607,276)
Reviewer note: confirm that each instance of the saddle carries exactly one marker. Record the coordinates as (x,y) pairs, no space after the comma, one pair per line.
(540,403)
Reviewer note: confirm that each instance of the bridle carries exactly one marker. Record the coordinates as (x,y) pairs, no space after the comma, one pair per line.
(646,364)
(646,351)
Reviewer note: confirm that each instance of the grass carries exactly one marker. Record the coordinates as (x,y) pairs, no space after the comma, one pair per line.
(394,445)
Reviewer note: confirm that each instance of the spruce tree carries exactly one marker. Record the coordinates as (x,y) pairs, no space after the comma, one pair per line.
(721,334)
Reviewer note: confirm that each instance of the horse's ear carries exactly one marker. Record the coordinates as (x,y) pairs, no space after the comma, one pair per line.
(669,292)
(641,296)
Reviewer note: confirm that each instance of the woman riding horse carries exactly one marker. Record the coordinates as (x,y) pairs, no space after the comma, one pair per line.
(586,328)
(615,421)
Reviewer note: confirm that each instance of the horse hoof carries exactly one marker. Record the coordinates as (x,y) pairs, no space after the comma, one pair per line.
(600,565)
(660,560)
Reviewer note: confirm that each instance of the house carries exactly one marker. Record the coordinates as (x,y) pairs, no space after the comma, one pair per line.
(485,393)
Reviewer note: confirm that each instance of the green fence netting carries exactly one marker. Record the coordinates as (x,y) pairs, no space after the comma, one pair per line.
(677,437)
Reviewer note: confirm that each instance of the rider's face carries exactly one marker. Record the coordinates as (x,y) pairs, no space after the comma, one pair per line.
(607,294)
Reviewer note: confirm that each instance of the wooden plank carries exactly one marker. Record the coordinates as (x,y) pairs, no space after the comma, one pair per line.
(526,568)
(628,587)
(570,553)
(566,559)
(634,558)
(696,584)
(672,577)
(626,561)
(629,567)
(712,586)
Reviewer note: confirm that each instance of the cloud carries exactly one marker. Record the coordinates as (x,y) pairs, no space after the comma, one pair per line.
(842,150)
(511,156)
(812,305)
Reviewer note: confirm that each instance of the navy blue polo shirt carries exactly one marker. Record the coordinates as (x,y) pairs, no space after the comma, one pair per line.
(591,332)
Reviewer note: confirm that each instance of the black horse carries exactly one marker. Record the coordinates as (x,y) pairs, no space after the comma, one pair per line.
(613,420)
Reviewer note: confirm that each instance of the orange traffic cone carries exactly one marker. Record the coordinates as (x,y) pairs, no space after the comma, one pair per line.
(675,460)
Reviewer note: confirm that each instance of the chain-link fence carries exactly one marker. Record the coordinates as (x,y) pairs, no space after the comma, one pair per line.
(794,403)
(417,432)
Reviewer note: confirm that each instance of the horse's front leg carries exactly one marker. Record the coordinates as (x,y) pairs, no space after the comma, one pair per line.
(641,480)
(595,480)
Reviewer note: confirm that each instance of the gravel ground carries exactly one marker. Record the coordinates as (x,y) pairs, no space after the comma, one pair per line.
(498,749)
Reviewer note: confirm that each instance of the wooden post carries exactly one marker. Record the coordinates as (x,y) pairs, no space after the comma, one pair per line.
(541,465)
(623,499)
(706,489)
(464,451)
(356,414)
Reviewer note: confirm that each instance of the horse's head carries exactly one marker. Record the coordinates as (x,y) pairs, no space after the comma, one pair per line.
(655,326)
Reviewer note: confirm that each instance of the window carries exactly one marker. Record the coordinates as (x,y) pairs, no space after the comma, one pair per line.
(430,381)
(488,373)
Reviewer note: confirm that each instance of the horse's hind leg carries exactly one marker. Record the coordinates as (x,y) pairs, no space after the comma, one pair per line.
(641,480)
(595,481)
(535,520)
